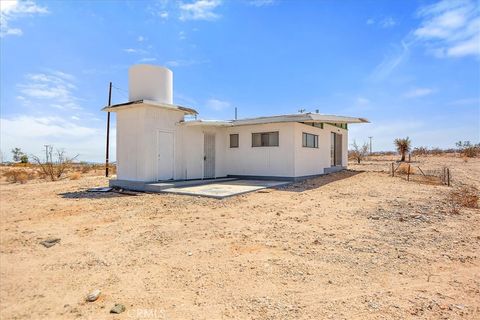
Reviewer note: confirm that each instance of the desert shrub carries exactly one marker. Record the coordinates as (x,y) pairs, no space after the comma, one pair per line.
(471,152)
(464,196)
(24,158)
(54,169)
(358,153)
(86,168)
(403,169)
(467,149)
(40,174)
(21,176)
(75,175)
(420,151)
(436,151)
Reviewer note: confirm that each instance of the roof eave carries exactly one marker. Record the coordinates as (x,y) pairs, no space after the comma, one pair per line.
(206,123)
(130,104)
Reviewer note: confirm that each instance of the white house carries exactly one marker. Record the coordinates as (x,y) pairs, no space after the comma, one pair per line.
(155,141)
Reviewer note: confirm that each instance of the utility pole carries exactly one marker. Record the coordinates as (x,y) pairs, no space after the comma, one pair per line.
(46,153)
(370,144)
(108,129)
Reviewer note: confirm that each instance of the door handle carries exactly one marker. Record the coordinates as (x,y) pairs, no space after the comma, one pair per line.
(204,158)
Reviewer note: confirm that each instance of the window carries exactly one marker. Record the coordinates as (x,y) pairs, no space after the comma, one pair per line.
(234,140)
(265,139)
(310,140)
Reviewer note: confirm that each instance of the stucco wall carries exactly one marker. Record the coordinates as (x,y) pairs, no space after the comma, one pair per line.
(312,161)
(260,161)
(193,151)
(129,130)
(137,147)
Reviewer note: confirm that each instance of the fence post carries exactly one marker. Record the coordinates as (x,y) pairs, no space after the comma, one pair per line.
(408,173)
(448,177)
(393,171)
(409,157)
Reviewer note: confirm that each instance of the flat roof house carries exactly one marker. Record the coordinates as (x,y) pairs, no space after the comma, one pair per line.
(155,142)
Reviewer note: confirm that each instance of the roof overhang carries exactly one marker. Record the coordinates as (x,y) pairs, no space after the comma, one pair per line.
(151,103)
(209,123)
(302,117)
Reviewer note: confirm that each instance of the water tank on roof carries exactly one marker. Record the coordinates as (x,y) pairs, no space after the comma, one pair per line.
(147,82)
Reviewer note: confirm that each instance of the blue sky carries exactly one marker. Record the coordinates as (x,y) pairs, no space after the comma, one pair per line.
(411,67)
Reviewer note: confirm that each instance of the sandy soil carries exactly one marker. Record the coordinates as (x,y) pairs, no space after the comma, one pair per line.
(351,245)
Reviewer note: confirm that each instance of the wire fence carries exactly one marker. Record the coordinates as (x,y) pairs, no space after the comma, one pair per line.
(409,172)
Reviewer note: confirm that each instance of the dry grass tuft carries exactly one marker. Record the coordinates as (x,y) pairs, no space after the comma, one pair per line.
(403,169)
(465,196)
(86,168)
(471,151)
(75,175)
(20,175)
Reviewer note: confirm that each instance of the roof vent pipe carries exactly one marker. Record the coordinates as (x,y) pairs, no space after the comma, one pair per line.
(148,82)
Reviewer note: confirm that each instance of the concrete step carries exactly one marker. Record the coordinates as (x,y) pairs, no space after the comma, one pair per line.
(333,169)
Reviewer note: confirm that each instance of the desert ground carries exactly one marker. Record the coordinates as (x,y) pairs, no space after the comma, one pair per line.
(357,244)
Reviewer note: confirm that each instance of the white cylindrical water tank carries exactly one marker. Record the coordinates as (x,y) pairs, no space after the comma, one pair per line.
(147,82)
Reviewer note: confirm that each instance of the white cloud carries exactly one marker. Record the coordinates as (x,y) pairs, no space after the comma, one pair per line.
(419,92)
(53,115)
(161,8)
(140,38)
(53,88)
(147,59)
(30,134)
(261,3)
(450,28)
(465,48)
(184,63)
(199,10)
(388,22)
(163,15)
(11,10)
(182,35)
(391,62)
(217,105)
(135,51)
(361,101)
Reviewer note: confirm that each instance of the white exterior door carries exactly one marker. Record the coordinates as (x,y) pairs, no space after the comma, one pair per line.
(209,155)
(166,156)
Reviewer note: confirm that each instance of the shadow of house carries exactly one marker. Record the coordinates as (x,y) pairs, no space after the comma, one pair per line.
(93,195)
(314,183)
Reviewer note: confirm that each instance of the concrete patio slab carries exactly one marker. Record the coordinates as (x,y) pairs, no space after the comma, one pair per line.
(220,190)
(160,186)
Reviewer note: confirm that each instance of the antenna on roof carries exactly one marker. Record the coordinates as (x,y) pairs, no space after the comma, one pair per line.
(317,111)
(301,110)
(235,113)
